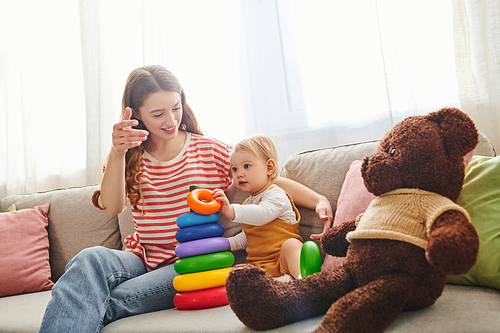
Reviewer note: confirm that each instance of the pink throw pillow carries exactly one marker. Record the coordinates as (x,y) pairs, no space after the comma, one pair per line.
(24,261)
(353,200)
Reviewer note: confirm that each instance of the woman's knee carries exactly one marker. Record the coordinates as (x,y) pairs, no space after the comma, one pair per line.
(91,255)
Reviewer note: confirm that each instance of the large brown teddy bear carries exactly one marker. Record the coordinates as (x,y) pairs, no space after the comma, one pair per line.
(398,253)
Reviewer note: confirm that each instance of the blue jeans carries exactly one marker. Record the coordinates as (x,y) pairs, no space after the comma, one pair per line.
(101,285)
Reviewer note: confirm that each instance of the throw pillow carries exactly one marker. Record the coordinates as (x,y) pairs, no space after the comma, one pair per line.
(25,251)
(481,198)
(12,208)
(353,200)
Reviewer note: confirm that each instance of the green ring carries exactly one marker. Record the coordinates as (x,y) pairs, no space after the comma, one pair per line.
(204,262)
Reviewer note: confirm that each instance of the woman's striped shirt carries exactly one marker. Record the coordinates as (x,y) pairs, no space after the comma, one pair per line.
(203,162)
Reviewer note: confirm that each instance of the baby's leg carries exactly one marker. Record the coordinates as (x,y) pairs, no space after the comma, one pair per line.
(290,256)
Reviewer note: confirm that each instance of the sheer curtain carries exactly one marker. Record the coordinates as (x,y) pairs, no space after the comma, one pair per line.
(63,66)
(42,110)
(477,44)
(308,73)
(323,73)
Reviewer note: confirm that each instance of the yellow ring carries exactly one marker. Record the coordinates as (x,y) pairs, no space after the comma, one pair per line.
(201,280)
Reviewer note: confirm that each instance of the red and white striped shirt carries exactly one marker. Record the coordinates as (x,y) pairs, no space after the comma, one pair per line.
(203,162)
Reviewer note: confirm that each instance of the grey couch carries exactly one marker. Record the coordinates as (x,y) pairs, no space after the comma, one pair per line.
(74,224)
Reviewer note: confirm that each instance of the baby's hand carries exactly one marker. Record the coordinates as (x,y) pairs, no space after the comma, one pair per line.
(226,208)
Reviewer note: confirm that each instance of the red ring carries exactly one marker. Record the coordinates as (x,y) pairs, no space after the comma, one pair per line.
(202,202)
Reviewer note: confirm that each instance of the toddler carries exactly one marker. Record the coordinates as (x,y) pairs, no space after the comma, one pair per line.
(269,217)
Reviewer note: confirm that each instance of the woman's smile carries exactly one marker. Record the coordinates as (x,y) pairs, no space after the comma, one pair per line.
(169,130)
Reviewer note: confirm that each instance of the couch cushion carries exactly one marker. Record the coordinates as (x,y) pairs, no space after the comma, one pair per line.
(460,309)
(25,251)
(323,170)
(23,313)
(74,223)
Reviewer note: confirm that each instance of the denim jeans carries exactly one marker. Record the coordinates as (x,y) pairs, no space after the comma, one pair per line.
(101,285)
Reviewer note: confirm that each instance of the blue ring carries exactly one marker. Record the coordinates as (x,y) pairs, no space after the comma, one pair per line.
(199,231)
(190,219)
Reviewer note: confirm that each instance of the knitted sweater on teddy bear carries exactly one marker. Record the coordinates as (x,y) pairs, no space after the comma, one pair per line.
(404,215)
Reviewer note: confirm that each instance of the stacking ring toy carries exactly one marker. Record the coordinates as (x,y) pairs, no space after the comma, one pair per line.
(201,246)
(310,259)
(202,201)
(190,219)
(199,231)
(200,299)
(201,280)
(204,262)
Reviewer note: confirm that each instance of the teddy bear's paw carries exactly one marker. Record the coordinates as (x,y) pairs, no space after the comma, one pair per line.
(334,240)
(453,244)
(258,300)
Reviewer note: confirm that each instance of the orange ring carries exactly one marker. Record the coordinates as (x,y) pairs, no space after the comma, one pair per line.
(202,202)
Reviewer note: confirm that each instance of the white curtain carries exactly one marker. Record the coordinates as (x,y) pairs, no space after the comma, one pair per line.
(309,73)
(63,67)
(477,44)
(322,73)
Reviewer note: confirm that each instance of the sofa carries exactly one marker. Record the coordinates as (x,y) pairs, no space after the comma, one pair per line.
(74,224)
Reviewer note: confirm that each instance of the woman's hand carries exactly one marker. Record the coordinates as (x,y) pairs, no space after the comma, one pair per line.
(124,136)
(113,193)
(324,212)
(226,208)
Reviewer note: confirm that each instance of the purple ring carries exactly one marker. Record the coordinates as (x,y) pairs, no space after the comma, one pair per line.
(201,246)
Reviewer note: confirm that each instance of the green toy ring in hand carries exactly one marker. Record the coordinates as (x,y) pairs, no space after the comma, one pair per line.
(310,259)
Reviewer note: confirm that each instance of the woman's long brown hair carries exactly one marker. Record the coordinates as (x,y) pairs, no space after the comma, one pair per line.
(140,84)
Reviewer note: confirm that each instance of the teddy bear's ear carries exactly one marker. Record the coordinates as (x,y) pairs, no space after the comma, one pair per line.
(457,130)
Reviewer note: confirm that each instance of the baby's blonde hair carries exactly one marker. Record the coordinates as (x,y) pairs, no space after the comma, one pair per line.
(262,146)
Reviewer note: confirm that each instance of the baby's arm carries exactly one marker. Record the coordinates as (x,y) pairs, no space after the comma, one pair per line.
(226,208)
(238,241)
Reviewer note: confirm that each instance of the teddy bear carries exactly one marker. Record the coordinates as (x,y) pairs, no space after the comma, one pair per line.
(398,253)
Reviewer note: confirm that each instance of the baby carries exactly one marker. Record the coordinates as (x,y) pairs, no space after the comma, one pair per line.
(269,217)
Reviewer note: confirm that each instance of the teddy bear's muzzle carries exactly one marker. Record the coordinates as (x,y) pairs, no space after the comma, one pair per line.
(380,175)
